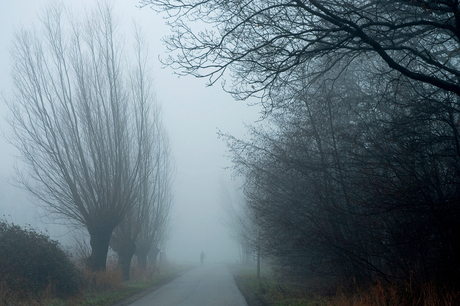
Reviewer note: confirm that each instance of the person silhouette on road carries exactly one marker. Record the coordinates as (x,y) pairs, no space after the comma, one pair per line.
(202,257)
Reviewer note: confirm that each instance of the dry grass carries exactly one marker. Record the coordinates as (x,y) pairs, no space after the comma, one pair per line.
(18,296)
(139,274)
(13,297)
(110,280)
(98,288)
(268,290)
(408,295)
(94,282)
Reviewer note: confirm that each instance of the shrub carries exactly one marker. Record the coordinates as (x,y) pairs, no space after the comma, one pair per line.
(31,262)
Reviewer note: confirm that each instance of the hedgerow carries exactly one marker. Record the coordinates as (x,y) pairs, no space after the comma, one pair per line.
(31,262)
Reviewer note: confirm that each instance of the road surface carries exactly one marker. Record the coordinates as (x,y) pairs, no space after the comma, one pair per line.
(211,284)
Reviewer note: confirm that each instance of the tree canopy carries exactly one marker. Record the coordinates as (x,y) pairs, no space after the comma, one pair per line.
(263,43)
(355,172)
(80,120)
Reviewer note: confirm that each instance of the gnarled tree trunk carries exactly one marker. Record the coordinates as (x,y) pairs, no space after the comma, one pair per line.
(153,255)
(142,257)
(125,255)
(99,241)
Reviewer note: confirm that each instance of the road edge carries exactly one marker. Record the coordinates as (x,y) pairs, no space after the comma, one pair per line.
(251,298)
(132,298)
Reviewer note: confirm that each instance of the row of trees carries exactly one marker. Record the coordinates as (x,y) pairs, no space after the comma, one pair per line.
(91,137)
(351,187)
(355,172)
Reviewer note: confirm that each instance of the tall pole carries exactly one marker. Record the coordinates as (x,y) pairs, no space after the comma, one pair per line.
(258,255)
(258,262)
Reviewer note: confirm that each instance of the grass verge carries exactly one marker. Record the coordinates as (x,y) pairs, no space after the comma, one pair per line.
(107,289)
(268,291)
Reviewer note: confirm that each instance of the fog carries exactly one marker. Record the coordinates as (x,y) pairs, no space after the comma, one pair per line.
(192,115)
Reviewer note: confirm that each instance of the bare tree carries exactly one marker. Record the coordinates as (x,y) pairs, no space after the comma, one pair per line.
(355,180)
(361,167)
(144,227)
(149,123)
(74,121)
(237,220)
(261,43)
(157,194)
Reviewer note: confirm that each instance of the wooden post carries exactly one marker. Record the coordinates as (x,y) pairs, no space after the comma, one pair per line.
(258,262)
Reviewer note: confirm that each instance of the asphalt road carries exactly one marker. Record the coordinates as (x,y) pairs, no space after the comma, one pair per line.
(211,284)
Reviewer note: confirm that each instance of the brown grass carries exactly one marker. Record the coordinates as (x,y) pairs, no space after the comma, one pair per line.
(138,274)
(17,296)
(269,290)
(110,280)
(407,295)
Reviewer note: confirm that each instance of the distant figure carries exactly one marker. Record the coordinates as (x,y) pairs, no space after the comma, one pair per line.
(202,257)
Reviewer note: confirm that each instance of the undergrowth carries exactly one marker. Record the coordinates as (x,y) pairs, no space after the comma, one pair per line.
(409,294)
(107,288)
(99,289)
(269,290)
(34,270)
(34,267)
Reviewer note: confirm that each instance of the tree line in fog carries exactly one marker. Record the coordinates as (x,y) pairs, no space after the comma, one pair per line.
(90,133)
(354,171)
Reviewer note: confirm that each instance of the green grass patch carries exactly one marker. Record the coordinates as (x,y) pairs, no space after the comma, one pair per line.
(107,298)
(268,290)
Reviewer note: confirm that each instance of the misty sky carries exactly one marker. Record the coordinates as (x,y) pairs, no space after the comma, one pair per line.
(192,114)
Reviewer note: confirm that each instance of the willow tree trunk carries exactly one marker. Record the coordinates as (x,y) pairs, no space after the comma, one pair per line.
(99,241)
(125,255)
(124,260)
(142,254)
(153,255)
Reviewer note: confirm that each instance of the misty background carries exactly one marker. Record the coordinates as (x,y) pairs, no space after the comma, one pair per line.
(192,113)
